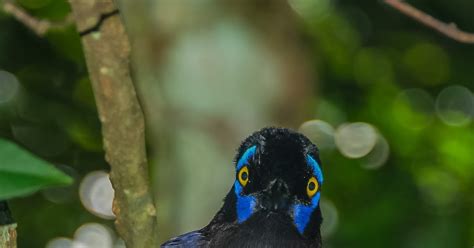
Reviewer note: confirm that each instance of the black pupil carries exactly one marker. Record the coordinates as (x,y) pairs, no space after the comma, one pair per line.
(311,186)
(244,176)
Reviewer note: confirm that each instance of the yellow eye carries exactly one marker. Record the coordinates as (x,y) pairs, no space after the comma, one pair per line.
(243,175)
(312,187)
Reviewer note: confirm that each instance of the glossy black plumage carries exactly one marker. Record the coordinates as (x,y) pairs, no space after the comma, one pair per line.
(278,175)
(5,215)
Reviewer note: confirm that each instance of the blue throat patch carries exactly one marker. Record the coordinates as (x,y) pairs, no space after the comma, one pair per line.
(302,213)
(245,204)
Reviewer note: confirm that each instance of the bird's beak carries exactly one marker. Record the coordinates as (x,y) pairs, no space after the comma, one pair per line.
(276,196)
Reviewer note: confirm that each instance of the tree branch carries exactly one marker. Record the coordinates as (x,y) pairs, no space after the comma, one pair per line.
(39,26)
(8,236)
(449,30)
(107,51)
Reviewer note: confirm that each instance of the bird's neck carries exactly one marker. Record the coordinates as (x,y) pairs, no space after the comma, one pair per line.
(262,229)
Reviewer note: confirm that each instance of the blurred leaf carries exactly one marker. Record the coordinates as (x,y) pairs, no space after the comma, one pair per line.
(83,93)
(455,149)
(34,4)
(85,133)
(338,42)
(372,66)
(68,44)
(22,173)
(55,10)
(427,63)
(33,138)
(43,78)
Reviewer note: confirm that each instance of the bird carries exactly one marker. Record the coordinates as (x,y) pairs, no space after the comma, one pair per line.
(5,214)
(274,200)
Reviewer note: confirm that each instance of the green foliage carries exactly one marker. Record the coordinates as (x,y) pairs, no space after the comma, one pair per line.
(22,173)
(427,63)
(34,4)
(372,64)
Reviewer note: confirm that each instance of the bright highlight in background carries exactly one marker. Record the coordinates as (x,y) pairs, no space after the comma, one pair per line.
(319,132)
(90,235)
(455,105)
(315,9)
(331,218)
(9,86)
(355,140)
(60,243)
(413,109)
(379,154)
(66,193)
(93,235)
(97,194)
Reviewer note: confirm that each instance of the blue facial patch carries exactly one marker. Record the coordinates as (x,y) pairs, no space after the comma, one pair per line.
(245,204)
(301,212)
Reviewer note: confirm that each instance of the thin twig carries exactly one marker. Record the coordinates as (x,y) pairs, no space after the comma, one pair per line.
(39,26)
(450,30)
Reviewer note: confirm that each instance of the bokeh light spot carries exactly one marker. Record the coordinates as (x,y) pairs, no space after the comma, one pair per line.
(96,194)
(439,188)
(355,140)
(119,243)
(455,105)
(93,235)
(9,86)
(413,109)
(311,9)
(427,63)
(60,243)
(62,194)
(319,132)
(331,218)
(372,66)
(379,155)
(329,112)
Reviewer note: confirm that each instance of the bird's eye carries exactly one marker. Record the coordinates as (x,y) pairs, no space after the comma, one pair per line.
(312,187)
(243,175)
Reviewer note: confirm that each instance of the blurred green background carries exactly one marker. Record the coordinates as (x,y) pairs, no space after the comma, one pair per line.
(389,102)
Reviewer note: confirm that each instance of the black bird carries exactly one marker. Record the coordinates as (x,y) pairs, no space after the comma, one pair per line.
(5,214)
(274,201)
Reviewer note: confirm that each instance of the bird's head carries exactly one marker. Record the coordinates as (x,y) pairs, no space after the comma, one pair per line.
(278,175)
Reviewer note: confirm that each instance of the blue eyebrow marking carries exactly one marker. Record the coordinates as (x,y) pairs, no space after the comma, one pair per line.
(245,158)
(245,203)
(316,169)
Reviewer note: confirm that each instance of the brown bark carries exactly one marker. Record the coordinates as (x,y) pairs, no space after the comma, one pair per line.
(107,50)
(8,236)
(39,26)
